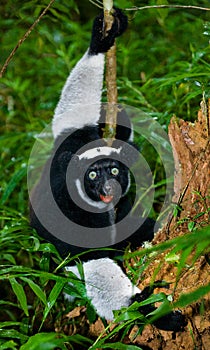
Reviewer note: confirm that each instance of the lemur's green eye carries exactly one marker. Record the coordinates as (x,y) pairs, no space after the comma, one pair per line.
(115,171)
(92,175)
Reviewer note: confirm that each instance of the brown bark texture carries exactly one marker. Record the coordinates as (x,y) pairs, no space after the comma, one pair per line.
(111,85)
(191,148)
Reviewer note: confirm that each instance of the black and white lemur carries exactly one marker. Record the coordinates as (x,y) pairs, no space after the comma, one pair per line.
(99,181)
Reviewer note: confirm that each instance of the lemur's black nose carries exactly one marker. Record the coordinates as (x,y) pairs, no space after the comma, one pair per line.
(109,187)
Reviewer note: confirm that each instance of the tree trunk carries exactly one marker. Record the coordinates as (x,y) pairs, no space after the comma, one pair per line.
(191,149)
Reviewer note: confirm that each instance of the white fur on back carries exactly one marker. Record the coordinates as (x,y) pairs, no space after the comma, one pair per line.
(80,100)
(107,286)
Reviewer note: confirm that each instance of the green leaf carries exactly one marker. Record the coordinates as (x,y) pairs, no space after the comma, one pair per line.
(36,289)
(9,257)
(18,175)
(55,292)
(163,13)
(182,261)
(199,215)
(11,345)
(187,299)
(128,315)
(153,299)
(171,257)
(13,334)
(50,341)
(91,313)
(191,225)
(163,309)
(20,294)
(9,324)
(177,210)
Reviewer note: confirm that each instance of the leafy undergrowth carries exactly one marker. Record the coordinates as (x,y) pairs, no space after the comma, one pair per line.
(34,311)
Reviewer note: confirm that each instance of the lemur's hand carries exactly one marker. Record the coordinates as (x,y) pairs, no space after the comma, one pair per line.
(174,321)
(101,42)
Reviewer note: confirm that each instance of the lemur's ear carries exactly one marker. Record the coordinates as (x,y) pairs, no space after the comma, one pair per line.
(78,166)
(75,160)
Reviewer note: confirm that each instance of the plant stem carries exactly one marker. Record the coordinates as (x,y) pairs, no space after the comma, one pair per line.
(111,77)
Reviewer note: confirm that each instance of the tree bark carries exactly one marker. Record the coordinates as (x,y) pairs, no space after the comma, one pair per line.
(111,80)
(191,150)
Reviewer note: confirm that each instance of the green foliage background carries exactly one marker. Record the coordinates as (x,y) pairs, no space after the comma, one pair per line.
(163,68)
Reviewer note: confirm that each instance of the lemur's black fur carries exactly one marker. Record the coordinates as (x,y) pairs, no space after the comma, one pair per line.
(69,140)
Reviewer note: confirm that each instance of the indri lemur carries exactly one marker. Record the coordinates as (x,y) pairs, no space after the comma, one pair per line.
(98,178)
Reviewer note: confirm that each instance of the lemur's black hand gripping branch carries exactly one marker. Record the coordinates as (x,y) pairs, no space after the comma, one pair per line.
(101,42)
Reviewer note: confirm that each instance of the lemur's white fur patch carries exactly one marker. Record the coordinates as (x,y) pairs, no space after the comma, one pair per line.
(88,200)
(107,286)
(99,151)
(80,100)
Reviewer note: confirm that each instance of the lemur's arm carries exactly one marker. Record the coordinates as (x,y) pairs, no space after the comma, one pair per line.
(81,95)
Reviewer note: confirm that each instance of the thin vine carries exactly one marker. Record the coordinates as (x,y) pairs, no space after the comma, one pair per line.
(188,7)
(9,58)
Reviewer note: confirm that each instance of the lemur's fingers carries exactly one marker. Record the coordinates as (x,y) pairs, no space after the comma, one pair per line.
(122,21)
(101,42)
(174,321)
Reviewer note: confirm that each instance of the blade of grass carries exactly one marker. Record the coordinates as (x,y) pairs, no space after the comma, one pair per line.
(36,289)
(20,294)
(18,175)
(55,292)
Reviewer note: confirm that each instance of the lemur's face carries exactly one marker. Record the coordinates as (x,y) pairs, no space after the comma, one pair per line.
(106,180)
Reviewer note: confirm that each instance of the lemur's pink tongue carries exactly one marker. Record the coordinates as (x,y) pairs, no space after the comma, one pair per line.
(106,199)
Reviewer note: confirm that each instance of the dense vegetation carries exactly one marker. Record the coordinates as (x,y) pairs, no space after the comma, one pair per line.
(163,69)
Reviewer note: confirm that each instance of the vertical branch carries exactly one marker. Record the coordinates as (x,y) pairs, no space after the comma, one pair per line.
(111,77)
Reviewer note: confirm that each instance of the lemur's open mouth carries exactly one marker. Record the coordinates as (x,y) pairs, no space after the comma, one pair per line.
(106,199)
